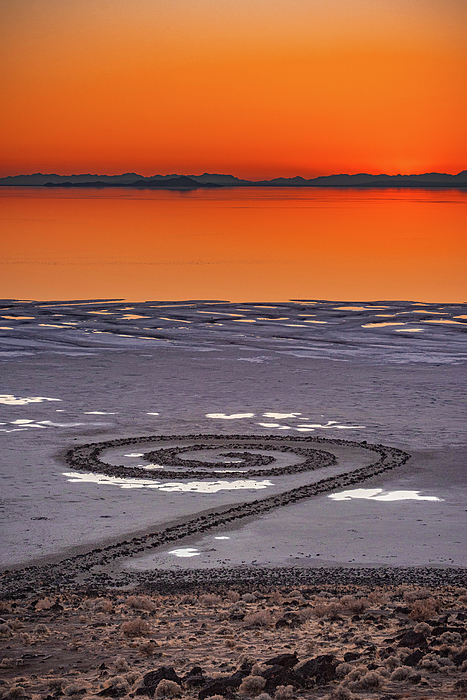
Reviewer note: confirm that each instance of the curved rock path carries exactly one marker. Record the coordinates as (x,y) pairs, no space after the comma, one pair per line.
(89,568)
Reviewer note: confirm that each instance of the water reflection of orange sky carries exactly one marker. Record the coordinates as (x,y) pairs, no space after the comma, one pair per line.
(254,244)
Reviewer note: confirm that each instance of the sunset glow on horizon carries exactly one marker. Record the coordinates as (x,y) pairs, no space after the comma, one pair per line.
(258,89)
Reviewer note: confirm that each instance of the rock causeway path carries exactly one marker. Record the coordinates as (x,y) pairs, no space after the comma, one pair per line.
(97,567)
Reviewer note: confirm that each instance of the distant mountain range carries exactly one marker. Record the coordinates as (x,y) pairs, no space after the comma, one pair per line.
(184,182)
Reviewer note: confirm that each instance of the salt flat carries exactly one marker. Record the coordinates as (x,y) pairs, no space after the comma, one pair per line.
(385,372)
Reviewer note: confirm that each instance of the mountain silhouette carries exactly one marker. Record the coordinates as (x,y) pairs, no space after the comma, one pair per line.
(210,180)
(182,182)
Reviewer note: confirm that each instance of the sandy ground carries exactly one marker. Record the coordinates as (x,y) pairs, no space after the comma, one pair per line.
(340,642)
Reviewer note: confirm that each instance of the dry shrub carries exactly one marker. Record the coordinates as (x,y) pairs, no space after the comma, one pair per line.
(117,685)
(400,590)
(342,693)
(276,598)
(56,683)
(377,598)
(233,596)
(306,613)
(370,681)
(135,628)
(252,686)
(131,677)
(141,602)
(75,688)
(262,618)
(355,605)
(343,669)
(103,605)
(148,648)
(411,596)
(356,674)
(41,629)
(463,599)
(210,600)
(7,663)
(25,638)
(248,598)
(328,610)
(44,604)
(423,628)
(15,692)
(430,664)
(392,662)
(283,692)
(167,688)
(16,624)
(295,594)
(452,638)
(424,609)
(263,696)
(187,600)
(246,659)
(4,607)
(401,673)
(121,664)
(5,630)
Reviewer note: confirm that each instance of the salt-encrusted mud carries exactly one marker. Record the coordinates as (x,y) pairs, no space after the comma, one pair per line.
(390,372)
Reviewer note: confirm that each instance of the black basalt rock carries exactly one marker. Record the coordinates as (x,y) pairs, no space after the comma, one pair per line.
(413,640)
(278,675)
(413,658)
(290,620)
(152,679)
(460,657)
(195,678)
(321,669)
(224,686)
(285,660)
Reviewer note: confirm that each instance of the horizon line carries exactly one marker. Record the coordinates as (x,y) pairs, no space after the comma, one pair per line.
(227,174)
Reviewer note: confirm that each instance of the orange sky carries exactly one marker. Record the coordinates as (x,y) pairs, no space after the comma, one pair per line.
(257,88)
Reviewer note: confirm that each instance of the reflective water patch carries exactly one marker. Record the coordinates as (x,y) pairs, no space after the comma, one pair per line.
(11,400)
(189,486)
(381,495)
(232,416)
(185,552)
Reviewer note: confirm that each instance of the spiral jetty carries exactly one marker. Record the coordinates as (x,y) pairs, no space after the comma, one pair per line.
(88,568)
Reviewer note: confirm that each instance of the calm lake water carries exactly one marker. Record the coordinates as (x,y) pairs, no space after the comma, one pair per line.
(258,244)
